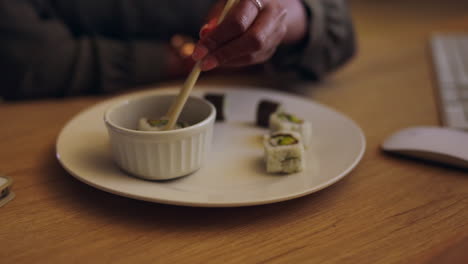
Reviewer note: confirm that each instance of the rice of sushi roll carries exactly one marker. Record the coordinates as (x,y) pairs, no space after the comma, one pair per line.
(284,152)
(218,102)
(282,121)
(146,124)
(264,110)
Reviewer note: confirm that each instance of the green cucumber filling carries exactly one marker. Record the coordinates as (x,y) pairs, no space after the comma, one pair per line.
(290,118)
(157,122)
(283,140)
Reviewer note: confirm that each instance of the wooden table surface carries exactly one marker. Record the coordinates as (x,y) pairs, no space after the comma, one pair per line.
(388,210)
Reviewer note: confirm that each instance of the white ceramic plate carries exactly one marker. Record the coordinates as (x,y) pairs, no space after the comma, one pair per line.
(234,174)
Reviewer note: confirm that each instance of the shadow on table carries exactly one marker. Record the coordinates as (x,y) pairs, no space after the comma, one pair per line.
(425,162)
(76,196)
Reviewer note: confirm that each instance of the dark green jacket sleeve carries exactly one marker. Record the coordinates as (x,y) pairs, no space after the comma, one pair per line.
(330,42)
(130,19)
(54,48)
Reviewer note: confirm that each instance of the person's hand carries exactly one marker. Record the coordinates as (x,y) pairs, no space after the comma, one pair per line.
(178,60)
(250,33)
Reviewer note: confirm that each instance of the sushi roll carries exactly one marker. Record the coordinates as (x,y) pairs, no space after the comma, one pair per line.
(282,121)
(218,101)
(284,152)
(146,124)
(264,110)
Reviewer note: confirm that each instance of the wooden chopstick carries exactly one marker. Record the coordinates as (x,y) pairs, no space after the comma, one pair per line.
(176,108)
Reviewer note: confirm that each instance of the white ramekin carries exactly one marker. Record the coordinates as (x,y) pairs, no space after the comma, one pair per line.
(159,155)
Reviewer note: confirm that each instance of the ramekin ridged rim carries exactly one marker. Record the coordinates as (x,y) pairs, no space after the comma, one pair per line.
(128,131)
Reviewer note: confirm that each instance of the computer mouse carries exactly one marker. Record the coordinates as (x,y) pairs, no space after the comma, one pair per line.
(443,145)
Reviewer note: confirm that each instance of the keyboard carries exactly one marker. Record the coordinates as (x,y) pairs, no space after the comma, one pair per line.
(450,58)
